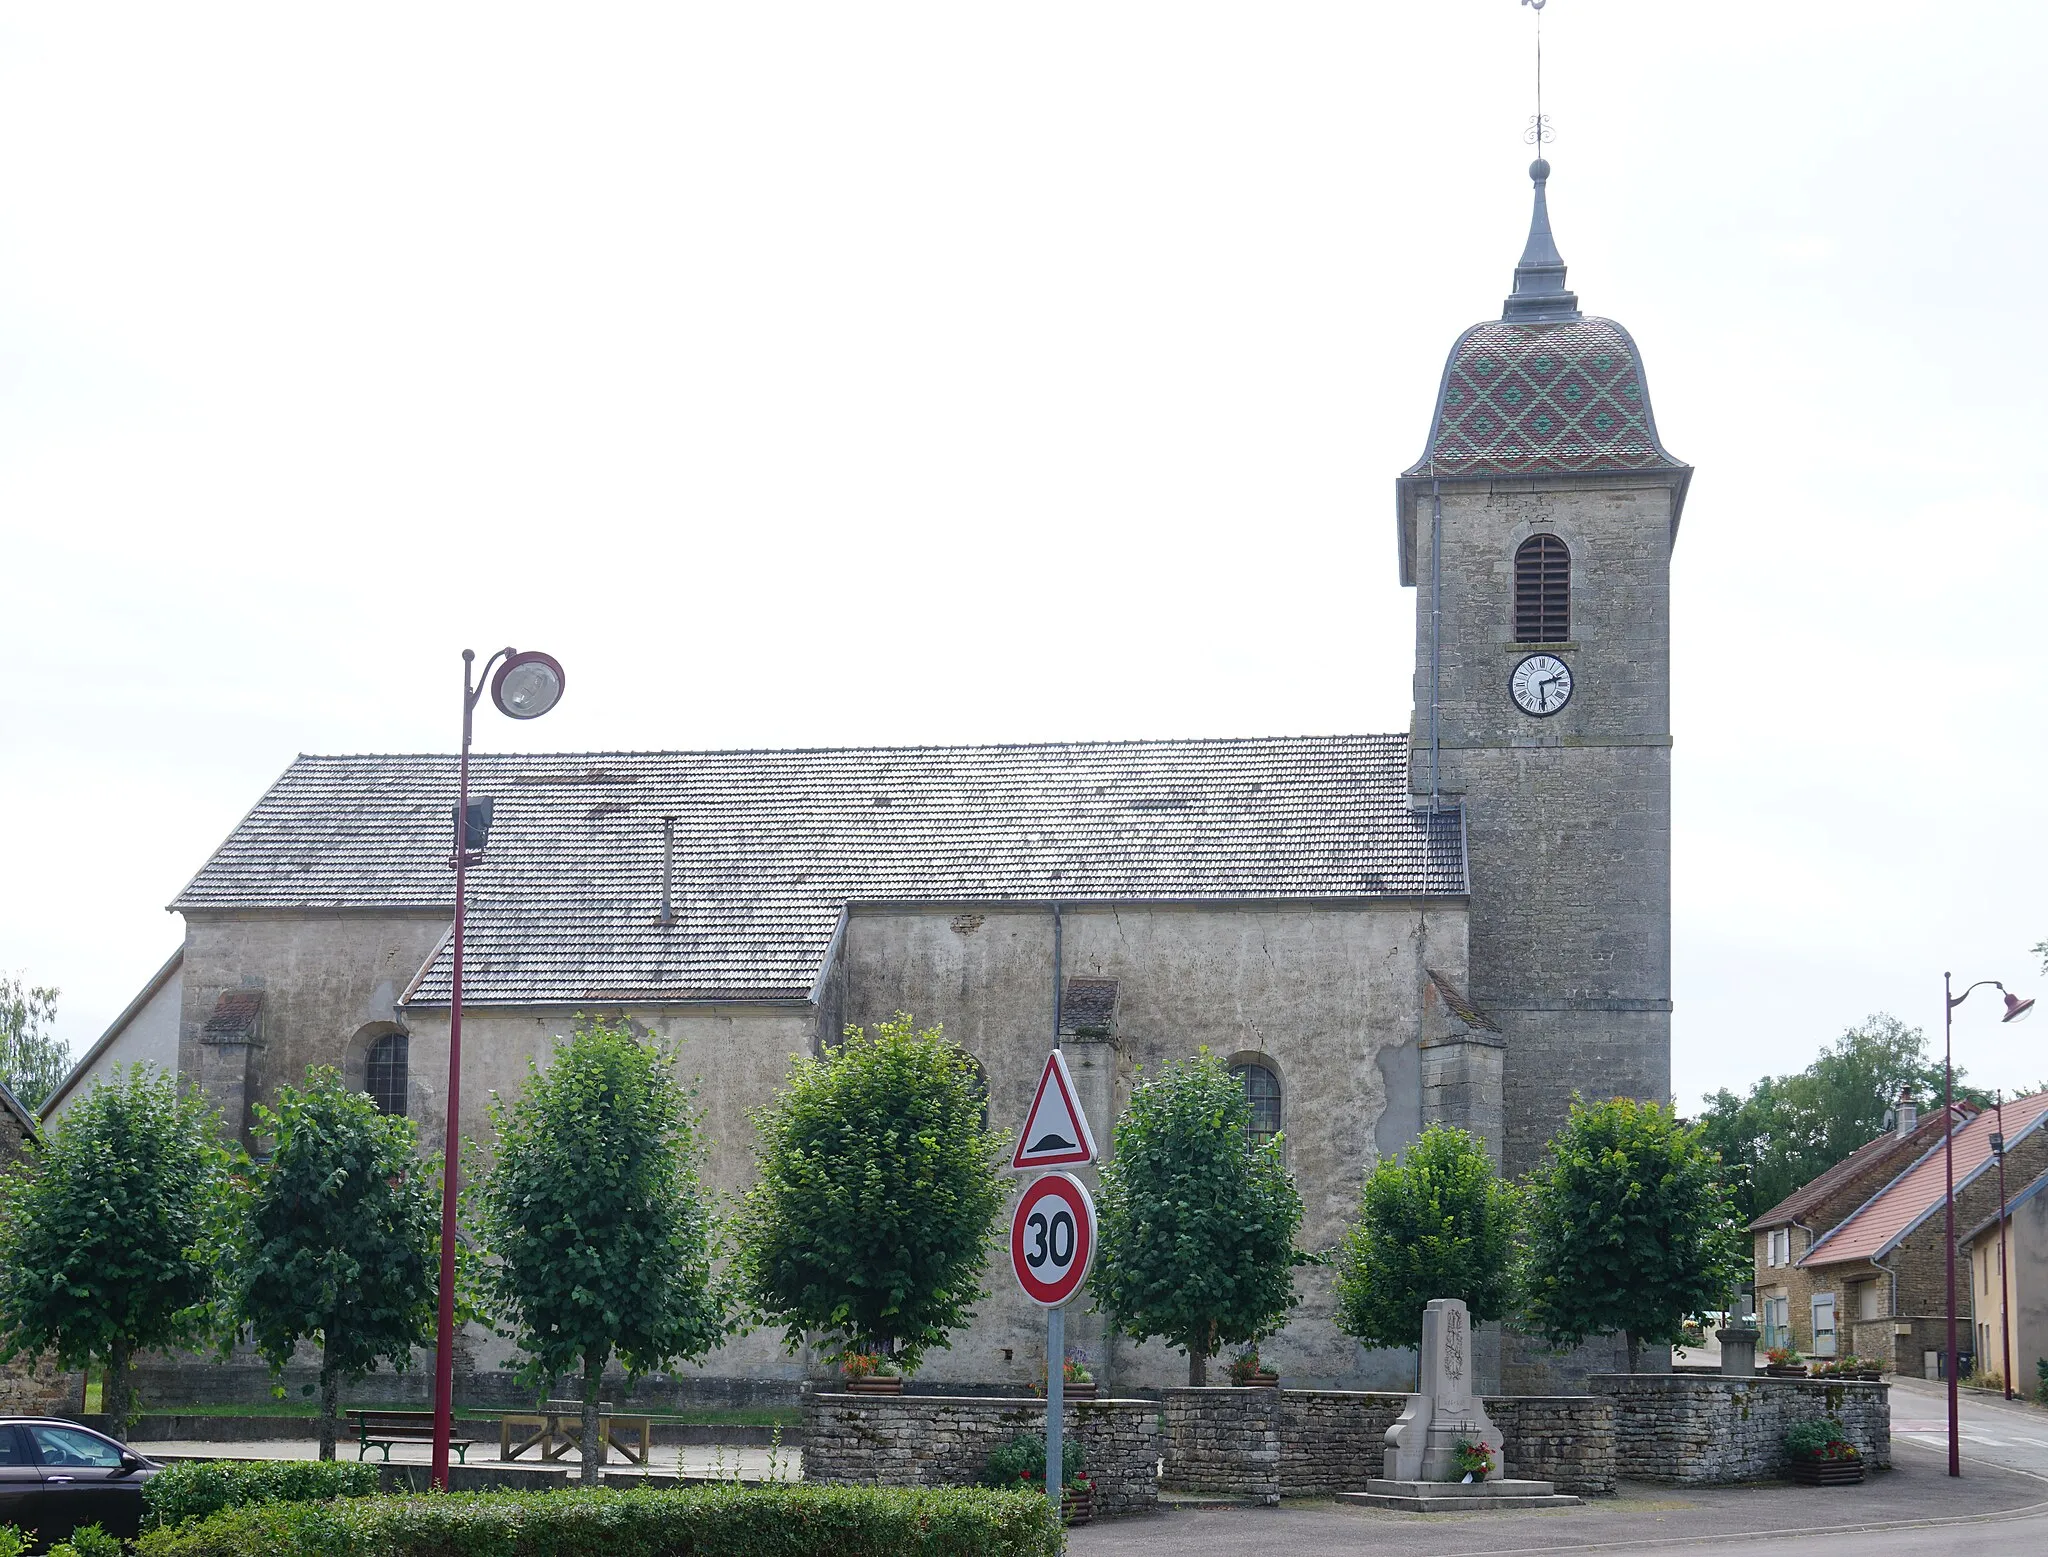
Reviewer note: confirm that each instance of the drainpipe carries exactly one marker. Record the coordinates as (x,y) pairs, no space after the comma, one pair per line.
(1894,1275)
(1810,1241)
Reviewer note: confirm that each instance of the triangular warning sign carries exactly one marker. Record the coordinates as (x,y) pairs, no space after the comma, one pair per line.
(1055,1131)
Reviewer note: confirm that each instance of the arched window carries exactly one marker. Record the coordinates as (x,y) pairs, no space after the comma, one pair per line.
(384,1072)
(1262,1091)
(1543,591)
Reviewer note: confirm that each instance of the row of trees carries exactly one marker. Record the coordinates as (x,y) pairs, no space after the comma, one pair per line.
(33,1059)
(589,1236)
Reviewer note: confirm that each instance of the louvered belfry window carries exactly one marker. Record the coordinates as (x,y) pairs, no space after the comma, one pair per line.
(1543,591)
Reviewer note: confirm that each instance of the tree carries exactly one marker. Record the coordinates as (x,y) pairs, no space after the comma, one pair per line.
(33,1060)
(1791,1129)
(337,1239)
(881,1189)
(1631,1229)
(109,1232)
(1198,1219)
(1437,1223)
(593,1222)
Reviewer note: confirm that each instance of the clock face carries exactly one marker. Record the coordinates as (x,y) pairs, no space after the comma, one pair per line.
(1540,685)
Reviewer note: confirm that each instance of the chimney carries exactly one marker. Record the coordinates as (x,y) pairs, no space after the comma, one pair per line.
(1909,1113)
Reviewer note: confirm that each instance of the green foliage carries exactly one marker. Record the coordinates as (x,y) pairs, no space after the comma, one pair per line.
(879,1195)
(2041,1372)
(337,1238)
(109,1235)
(1198,1220)
(88,1541)
(1021,1462)
(721,1521)
(1818,1438)
(593,1217)
(1791,1129)
(12,1542)
(1630,1228)
(33,1060)
(194,1489)
(1436,1223)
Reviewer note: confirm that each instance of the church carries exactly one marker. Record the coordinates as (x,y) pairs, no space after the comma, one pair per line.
(1466,922)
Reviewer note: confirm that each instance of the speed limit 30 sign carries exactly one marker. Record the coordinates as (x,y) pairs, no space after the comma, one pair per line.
(1052,1238)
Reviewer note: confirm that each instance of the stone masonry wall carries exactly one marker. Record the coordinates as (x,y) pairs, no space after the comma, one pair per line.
(1274,1443)
(38,1387)
(944,1440)
(1693,1431)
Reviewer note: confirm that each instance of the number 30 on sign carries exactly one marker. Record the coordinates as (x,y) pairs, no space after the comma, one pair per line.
(1052,1238)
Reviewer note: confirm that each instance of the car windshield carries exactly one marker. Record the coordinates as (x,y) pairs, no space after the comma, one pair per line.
(73,1448)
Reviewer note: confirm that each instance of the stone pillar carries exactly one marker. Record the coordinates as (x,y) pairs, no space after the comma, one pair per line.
(1738,1350)
(1422,1446)
(227,1048)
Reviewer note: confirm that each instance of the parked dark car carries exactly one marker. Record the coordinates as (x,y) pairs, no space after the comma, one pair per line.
(56,1476)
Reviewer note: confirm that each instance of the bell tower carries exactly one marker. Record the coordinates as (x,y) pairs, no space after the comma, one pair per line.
(1537,530)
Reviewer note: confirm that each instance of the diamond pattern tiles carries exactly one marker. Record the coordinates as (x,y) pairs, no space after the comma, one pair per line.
(1520,398)
(771,847)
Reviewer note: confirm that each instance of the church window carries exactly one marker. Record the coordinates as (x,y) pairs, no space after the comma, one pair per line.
(1543,591)
(1262,1091)
(385,1072)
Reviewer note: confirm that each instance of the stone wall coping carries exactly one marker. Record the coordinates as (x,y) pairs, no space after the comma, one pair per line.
(1660,1383)
(1008,1402)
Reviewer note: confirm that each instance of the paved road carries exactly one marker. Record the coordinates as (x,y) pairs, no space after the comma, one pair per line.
(1999,1505)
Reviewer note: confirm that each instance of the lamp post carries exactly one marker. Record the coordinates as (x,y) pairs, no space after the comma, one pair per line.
(2004,1330)
(2014,1009)
(525,687)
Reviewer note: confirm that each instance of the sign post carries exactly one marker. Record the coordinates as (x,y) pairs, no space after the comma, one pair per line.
(1052,1236)
(1052,1244)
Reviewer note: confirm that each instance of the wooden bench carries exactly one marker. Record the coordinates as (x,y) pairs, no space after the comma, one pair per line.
(382,1429)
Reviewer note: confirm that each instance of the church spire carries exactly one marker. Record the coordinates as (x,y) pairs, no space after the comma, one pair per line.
(1540,296)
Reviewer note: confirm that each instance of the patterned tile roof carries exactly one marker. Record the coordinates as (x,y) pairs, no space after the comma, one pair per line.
(770,846)
(1526,398)
(1882,1222)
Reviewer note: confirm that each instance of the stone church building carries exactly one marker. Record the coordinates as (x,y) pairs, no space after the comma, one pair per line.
(1468,921)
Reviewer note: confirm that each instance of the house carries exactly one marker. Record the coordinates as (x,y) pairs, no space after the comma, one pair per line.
(2011,1314)
(1883,1266)
(17,1127)
(1800,1308)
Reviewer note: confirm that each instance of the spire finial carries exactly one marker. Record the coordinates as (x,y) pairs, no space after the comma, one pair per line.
(1540,296)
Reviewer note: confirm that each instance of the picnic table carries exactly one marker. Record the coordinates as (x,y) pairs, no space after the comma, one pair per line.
(557,1428)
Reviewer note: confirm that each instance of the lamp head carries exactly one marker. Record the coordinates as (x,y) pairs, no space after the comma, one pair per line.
(2015,1008)
(528,685)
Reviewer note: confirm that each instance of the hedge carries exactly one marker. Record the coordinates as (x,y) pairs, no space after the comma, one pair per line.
(196,1488)
(720,1521)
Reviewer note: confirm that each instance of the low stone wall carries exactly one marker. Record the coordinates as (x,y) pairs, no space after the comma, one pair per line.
(1564,1439)
(1694,1431)
(944,1440)
(1272,1443)
(36,1386)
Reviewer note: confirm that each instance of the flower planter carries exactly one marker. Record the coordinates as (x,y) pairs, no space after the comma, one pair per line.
(874,1386)
(1795,1370)
(1259,1380)
(1086,1391)
(1826,1473)
(1078,1505)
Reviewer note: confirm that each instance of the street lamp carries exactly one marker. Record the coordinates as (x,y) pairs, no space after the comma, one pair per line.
(2004,1329)
(526,686)
(2015,1008)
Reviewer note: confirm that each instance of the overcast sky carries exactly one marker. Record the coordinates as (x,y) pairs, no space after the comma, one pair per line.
(883,372)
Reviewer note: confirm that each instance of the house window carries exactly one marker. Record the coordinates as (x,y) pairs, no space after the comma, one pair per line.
(1777,1321)
(1824,1324)
(1262,1091)
(1868,1300)
(384,1073)
(1543,591)
(1778,1247)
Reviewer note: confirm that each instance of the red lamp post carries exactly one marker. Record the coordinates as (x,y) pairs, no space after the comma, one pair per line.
(2014,1009)
(525,687)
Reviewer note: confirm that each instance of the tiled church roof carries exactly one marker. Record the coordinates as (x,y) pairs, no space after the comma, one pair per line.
(1521,398)
(771,845)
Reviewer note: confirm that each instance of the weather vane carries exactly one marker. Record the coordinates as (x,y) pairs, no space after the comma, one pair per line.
(1539,134)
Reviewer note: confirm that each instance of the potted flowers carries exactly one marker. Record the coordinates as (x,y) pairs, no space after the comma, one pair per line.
(1246,1371)
(1474,1457)
(1782,1362)
(870,1373)
(1076,1381)
(1818,1454)
(1021,1463)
